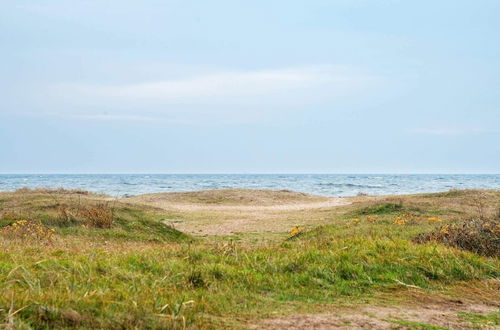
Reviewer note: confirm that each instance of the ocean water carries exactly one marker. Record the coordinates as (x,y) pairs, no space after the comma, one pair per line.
(320,184)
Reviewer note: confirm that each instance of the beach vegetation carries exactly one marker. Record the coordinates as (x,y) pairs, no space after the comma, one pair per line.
(140,272)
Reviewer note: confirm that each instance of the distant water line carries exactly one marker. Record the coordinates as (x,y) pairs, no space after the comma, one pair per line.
(319,184)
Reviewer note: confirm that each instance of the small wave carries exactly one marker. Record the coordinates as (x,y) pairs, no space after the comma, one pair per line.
(350,185)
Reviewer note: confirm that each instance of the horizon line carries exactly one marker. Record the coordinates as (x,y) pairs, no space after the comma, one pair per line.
(248,173)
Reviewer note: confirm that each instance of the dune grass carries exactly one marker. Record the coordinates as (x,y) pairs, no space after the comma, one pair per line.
(230,197)
(76,213)
(142,274)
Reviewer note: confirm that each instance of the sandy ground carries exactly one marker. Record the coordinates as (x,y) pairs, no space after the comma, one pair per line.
(423,313)
(225,212)
(331,202)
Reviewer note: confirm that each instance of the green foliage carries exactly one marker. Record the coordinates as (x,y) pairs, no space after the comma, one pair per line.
(126,287)
(381,208)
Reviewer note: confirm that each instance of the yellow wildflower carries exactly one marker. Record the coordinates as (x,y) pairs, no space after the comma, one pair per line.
(295,231)
(444,230)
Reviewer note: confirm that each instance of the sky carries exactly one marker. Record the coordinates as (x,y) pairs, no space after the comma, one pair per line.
(317,86)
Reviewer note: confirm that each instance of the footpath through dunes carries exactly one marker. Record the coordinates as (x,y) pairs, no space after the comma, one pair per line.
(229,211)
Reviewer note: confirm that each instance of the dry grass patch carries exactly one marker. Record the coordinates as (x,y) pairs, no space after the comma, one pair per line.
(57,191)
(99,215)
(232,197)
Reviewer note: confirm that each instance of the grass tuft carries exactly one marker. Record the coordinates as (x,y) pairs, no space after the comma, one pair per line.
(380,208)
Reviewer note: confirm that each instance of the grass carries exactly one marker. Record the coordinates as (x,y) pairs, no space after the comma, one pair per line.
(240,197)
(418,325)
(129,286)
(75,213)
(380,208)
(141,273)
(480,320)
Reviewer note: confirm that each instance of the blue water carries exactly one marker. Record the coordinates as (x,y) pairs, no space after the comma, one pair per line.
(320,184)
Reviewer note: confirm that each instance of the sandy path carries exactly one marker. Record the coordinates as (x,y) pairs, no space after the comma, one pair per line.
(222,219)
(438,313)
(333,202)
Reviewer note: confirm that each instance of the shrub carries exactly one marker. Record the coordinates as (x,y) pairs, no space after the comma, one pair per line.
(481,236)
(99,215)
(66,215)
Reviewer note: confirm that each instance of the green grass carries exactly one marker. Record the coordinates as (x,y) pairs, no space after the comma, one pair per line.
(448,194)
(130,286)
(382,208)
(417,325)
(143,274)
(480,320)
(131,225)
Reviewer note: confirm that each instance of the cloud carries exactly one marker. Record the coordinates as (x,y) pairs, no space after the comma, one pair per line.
(278,86)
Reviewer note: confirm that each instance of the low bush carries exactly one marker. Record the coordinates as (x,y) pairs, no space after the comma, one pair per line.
(481,236)
(99,215)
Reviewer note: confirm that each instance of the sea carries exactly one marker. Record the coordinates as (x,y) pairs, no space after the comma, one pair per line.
(319,184)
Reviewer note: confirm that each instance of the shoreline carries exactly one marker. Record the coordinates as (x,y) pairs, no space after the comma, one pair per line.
(330,185)
(124,196)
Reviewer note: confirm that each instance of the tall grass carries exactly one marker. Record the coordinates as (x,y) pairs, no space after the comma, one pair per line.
(140,273)
(130,287)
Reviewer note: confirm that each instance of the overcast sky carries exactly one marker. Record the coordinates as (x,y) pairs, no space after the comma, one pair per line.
(324,86)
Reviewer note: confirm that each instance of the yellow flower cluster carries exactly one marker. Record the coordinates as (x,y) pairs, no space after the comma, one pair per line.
(295,231)
(27,229)
(444,229)
(433,219)
(400,220)
(493,229)
(370,218)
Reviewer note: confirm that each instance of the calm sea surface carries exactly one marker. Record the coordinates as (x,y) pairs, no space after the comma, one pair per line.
(320,184)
